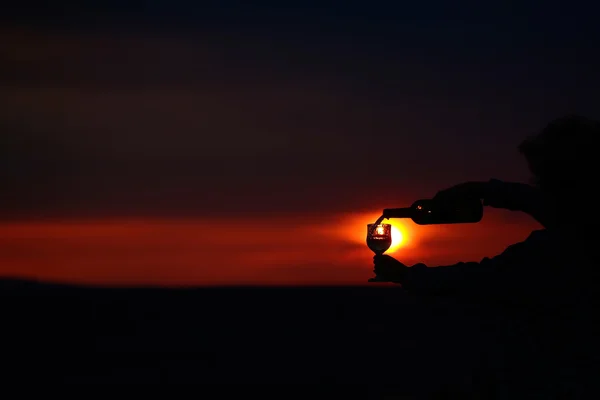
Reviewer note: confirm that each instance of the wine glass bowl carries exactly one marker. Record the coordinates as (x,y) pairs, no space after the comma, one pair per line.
(379,237)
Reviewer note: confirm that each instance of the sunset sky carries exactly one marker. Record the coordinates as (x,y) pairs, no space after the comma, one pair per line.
(170,145)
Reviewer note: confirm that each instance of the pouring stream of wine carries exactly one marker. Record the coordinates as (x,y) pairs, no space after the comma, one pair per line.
(377,223)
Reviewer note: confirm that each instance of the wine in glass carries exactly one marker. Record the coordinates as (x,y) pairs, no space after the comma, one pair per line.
(379,237)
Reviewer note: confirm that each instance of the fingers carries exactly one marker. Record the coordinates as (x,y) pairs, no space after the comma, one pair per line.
(461,191)
(378,279)
(384,260)
(449,192)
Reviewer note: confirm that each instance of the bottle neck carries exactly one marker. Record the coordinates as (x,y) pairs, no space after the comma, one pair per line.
(404,212)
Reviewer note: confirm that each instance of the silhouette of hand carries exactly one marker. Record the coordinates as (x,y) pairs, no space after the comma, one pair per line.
(388,269)
(463,191)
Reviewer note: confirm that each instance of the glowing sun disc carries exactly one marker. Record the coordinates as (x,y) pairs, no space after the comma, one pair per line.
(397,239)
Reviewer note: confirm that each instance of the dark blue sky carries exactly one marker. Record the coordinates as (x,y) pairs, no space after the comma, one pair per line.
(179,107)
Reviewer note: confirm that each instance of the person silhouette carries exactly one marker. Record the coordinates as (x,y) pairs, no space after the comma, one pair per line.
(547,281)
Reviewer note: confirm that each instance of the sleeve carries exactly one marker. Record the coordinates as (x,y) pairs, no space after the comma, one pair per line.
(484,277)
(517,197)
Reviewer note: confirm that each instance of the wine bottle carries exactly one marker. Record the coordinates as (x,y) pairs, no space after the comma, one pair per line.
(431,212)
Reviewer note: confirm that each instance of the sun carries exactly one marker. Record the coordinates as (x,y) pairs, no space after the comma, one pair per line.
(397,239)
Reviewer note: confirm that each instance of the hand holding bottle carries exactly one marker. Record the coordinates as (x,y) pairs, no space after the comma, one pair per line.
(463,192)
(450,208)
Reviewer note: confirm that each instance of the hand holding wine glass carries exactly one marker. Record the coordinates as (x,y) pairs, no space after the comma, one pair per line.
(388,269)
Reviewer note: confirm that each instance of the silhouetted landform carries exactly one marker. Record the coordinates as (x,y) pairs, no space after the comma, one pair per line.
(368,335)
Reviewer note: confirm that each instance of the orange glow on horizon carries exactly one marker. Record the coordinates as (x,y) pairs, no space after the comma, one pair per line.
(291,250)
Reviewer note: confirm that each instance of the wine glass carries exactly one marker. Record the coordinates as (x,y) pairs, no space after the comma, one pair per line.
(379,238)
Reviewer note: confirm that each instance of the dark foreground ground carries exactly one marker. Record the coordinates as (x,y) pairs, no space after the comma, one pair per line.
(242,335)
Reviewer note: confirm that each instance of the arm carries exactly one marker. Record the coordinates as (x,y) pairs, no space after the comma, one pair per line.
(508,195)
(516,197)
(481,278)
